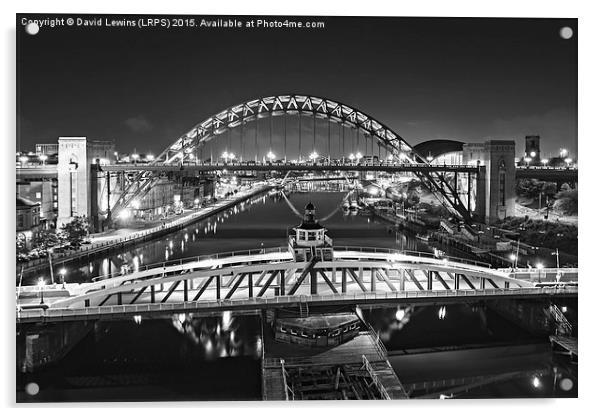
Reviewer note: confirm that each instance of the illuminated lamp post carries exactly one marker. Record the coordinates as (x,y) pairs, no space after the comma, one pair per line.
(41,284)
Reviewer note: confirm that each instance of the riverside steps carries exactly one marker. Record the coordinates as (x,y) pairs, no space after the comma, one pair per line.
(106,243)
(357,368)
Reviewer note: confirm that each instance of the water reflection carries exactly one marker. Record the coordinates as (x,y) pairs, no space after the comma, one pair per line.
(174,357)
(219,337)
(263,219)
(469,351)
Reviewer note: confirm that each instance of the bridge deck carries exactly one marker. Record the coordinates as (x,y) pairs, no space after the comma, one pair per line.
(385,167)
(383,298)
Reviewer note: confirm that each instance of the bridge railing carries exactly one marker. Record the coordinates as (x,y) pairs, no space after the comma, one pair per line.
(256,302)
(282,249)
(193,259)
(421,254)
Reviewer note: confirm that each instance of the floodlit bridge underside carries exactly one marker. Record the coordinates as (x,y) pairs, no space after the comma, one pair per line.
(190,146)
(354,276)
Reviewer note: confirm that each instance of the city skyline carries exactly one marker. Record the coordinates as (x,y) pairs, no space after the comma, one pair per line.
(437,80)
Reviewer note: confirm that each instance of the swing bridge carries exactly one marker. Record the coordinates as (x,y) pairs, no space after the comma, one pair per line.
(271,278)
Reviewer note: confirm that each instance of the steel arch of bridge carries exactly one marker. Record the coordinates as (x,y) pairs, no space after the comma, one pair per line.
(278,105)
(305,105)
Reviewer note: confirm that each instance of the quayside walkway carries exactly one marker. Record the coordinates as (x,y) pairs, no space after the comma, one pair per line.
(101,243)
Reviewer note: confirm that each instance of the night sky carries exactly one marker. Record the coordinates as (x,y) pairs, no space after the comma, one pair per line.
(463,79)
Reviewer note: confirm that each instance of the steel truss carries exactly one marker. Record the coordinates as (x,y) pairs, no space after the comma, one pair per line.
(303,105)
(316,277)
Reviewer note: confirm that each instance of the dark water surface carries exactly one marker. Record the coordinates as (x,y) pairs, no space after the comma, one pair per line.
(187,357)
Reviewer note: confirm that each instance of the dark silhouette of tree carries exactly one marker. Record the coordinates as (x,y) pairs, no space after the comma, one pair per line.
(74,232)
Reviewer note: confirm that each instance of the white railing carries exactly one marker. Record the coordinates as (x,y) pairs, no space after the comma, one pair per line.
(254,303)
(375,379)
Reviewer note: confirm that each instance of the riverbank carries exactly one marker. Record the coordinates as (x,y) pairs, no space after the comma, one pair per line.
(119,239)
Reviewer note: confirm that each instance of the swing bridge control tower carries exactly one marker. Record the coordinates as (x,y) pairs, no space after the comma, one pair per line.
(308,240)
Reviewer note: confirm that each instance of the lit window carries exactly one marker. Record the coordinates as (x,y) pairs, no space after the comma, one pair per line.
(38,195)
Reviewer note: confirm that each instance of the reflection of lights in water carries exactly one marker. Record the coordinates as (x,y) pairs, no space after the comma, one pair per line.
(138,319)
(91,268)
(105,266)
(136,263)
(223,352)
(218,330)
(226,320)
(170,244)
(400,314)
(566,384)
(186,237)
(564,309)
(166,254)
(536,382)
(194,237)
(442,312)
(182,318)
(208,346)
(258,346)
(182,245)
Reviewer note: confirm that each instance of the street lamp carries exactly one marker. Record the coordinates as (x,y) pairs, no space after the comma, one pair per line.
(539,267)
(135,157)
(150,157)
(528,160)
(23,160)
(43,159)
(568,161)
(513,258)
(41,284)
(563,152)
(544,161)
(271,156)
(351,156)
(532,154)
(62,273)
(313,156)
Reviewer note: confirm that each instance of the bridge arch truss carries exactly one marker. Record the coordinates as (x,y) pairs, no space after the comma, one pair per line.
(187,145)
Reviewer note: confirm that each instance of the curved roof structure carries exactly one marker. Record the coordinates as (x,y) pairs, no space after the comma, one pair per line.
(438,147)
